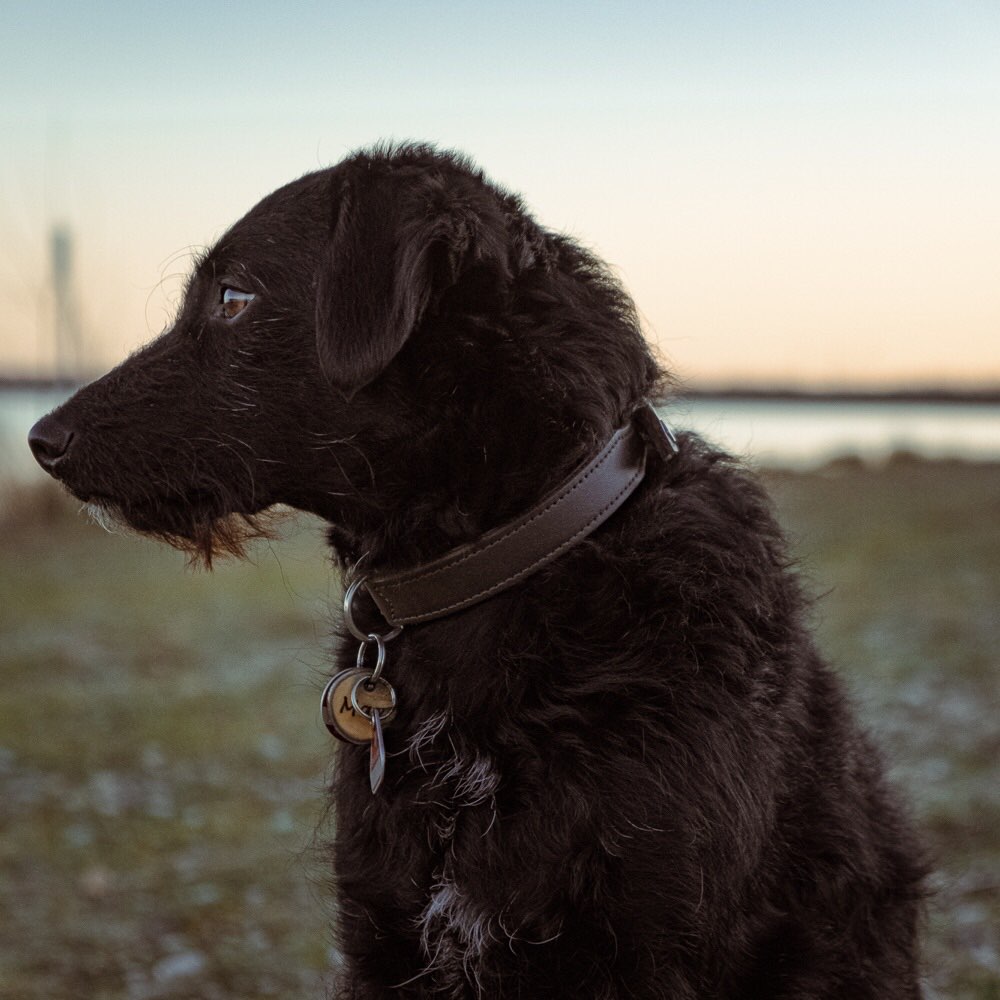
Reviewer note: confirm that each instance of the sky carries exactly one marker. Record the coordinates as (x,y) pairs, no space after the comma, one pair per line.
(802,193)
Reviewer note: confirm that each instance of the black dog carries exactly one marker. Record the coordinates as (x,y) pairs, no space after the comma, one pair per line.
(623,773)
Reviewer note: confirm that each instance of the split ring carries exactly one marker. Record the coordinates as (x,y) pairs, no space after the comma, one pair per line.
(379,658)
(367,712)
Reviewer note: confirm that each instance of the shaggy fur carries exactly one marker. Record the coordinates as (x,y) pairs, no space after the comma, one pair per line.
(631,776)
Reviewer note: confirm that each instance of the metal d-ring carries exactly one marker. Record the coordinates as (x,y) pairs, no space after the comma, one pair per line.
(379,659)
(349,616)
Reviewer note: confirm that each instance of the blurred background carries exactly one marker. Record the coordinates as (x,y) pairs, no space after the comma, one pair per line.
(802,199)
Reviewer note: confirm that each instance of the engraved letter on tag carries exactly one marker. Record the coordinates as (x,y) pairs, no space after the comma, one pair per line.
(340,715)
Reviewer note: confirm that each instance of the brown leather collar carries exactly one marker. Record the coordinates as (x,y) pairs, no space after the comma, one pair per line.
(508,554)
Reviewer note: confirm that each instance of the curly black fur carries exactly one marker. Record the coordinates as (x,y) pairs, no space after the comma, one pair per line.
(630,776)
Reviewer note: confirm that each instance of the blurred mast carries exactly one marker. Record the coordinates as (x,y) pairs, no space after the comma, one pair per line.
(65,336)
(67,328)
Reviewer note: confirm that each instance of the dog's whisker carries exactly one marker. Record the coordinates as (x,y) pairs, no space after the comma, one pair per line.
(246,388)
(194,251)
(249,447)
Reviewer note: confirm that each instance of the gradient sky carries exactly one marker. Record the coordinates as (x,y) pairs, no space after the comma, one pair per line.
(805,192)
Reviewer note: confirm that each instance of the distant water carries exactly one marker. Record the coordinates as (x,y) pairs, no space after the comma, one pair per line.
(805,433)
(784,433)
(19,409)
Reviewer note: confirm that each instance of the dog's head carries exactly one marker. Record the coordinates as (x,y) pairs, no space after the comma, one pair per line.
(391,343)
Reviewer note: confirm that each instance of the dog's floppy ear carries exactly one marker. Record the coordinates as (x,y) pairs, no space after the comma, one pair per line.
(400,239)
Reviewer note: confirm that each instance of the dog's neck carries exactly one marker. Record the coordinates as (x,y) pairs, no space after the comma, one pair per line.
(510,552)
(421,509)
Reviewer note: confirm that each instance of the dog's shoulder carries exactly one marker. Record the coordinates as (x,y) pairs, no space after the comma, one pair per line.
(707,501)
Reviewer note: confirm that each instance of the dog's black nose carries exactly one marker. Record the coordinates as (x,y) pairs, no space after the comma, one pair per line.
(49,441)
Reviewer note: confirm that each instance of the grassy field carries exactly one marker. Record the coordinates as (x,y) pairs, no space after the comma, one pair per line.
(162,761)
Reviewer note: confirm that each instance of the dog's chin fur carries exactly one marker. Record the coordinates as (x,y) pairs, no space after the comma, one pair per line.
(201,536)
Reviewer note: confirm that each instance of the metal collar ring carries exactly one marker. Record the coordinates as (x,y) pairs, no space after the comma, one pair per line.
(349,596)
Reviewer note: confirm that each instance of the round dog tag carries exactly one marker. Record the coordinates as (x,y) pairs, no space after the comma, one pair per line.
(347,692)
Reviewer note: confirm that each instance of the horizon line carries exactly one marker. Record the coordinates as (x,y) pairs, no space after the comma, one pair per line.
(780,390)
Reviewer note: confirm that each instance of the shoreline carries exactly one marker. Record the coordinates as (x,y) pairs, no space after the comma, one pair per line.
(981,395)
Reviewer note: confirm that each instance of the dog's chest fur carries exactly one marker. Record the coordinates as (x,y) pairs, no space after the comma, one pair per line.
(444,794)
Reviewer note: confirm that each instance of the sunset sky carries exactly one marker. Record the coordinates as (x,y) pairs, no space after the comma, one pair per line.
(803,192)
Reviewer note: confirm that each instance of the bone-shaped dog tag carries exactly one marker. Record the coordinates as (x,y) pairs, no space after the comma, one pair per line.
(376,757)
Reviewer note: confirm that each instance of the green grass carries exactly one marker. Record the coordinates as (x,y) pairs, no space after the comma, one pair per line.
(161,764)
(907,560)
(162,761)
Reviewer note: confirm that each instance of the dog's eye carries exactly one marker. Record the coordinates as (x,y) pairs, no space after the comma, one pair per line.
(234,302)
